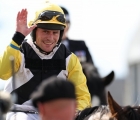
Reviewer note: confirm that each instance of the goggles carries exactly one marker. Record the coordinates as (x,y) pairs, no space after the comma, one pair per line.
(48,15)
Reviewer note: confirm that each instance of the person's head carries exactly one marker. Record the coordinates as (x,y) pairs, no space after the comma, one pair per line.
(55,99)
(67,15)
(50,21)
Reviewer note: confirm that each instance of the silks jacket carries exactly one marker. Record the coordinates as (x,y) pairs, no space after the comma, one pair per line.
(32,67)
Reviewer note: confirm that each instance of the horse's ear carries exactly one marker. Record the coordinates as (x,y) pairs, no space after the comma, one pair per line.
(113,105)
(109,78)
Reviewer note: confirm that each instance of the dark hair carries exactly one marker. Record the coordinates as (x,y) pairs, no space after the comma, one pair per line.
(66,14)
(65,10)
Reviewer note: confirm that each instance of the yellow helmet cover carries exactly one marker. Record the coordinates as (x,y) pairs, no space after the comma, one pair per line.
(50,16)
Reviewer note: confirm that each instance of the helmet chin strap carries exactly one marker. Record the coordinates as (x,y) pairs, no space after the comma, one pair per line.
(44,52)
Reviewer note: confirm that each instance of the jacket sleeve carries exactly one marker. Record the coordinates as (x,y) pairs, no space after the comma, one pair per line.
(78,78)
(12,50)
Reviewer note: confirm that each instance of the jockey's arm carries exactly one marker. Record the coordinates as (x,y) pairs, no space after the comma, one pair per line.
(12,51)
(78,78)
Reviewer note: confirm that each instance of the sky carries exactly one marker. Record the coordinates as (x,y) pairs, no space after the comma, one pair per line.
(107,26)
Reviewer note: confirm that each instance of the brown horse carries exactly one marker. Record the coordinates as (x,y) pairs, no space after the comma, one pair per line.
(112,111)
(123,112)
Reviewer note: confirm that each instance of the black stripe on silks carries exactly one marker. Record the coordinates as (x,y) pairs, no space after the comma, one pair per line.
(24,91)
(50,64)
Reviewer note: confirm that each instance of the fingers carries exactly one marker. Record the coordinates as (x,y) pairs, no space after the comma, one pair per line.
(21,25)
(22,15)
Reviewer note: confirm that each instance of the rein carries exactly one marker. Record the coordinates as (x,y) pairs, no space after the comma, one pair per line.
(30,112)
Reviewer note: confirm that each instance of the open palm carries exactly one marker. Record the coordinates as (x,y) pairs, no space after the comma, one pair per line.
(21,23)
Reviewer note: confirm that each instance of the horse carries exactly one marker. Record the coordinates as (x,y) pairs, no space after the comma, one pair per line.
(96,84)
(111,111)
(123,112)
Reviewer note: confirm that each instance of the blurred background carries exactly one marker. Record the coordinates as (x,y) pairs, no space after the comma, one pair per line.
(111,30)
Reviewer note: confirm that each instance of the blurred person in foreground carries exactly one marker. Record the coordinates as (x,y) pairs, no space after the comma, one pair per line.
(55,99)
(5,103)
(78,47)
(38,57)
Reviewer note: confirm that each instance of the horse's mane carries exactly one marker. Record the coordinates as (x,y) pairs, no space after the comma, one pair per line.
(101,112)
(130,113)
(86,112)
(103,109)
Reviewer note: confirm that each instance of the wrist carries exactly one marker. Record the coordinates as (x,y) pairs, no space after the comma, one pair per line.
(18,38)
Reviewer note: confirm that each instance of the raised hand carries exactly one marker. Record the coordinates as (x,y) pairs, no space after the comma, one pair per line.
(21,23)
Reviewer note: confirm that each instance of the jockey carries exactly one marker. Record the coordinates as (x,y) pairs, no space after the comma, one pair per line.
(39,57)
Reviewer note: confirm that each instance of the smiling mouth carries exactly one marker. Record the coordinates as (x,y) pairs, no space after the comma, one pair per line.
(47,43)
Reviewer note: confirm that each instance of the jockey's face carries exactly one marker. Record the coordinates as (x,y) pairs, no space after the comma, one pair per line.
(47,39)
(61,109)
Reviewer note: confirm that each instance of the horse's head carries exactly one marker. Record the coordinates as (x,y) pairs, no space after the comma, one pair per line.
(112,111)
(97,84)
(123,113)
